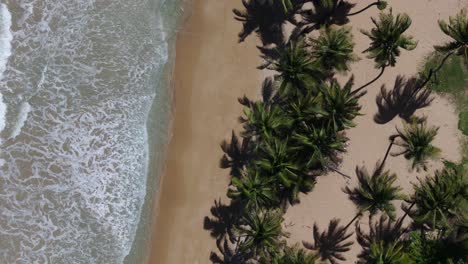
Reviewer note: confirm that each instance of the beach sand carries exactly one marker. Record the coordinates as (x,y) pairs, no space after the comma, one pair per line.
(212,70)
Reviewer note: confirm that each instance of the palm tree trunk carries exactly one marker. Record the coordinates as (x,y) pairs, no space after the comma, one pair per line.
(352,220)
(364,9)
(339,172)
(369,83)
(392,141)
(431,73)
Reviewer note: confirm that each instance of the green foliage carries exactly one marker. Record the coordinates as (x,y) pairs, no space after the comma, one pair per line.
(340,106)
(463,122)
(261,233)
(457,29)
(416,141)
(375,193)
(387,38)
(253,190)
(334,48)
(264,121)
(434,251)
(386,253)
(438,199)
(293,255)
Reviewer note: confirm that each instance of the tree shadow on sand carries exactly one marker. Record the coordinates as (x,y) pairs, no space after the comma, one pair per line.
(331,243)
(266,19)
(224,217)
(403,100)
(324,14)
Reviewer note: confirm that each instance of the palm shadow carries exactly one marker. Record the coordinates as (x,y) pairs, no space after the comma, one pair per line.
(224,218)
(323,15)
(383,230)
(403,100)
(266,19)
(236,155)
(228,254)
(330,244)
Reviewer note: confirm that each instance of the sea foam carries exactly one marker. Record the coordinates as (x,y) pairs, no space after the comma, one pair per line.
(24,110)
(5,51)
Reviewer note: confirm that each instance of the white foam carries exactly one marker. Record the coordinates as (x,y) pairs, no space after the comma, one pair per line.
(24,110)
(5,37)
(3,111)
(5,51)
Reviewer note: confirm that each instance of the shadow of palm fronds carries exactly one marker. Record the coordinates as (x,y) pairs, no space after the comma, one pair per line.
(228,253)
(224,218)
(330,244)
(383,230)
(266,19)
(236,155)
(403,100)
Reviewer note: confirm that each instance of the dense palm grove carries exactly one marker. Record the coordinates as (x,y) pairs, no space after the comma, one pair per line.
(297,132)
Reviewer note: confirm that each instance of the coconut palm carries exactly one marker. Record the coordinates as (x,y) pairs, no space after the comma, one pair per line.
(263,120)
(293,255)
(340,106)
(457,30)
(318,145)
(306,108)
(253,191)
(330,244)
(261,233)
(416,141)
(385,253)
(384,230)
(387,38)
(277,160)
(236,154)
(438,199)
(334,48)
(375,192)
(297,71)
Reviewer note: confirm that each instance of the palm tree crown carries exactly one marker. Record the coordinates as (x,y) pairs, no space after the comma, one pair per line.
(457,29)
(387,38)
(375,193)
(340,105)
(293,255)
(416,140)
(261,233)
(253,190)
(297,71)
(386,253)
(334,48)
(438,198)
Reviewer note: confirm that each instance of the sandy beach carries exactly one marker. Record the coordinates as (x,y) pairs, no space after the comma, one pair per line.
(212,70)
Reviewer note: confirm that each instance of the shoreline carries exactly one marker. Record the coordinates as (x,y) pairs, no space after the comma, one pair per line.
(191,76)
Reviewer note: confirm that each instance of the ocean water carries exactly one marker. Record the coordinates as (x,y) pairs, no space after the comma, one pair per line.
(84,105)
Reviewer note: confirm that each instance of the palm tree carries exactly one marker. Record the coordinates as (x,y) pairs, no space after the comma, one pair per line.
(236,154)
(438,199)
(306,108)
(384,230)
(374,193)
(385,253)
(386,40)
(416,140)
(292,255)
(297,71)
(263,120)
(457,29)
(319,145)
(330,244)
(261,233)
(340,105)
(334,48)
(253,191)
(277,160)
